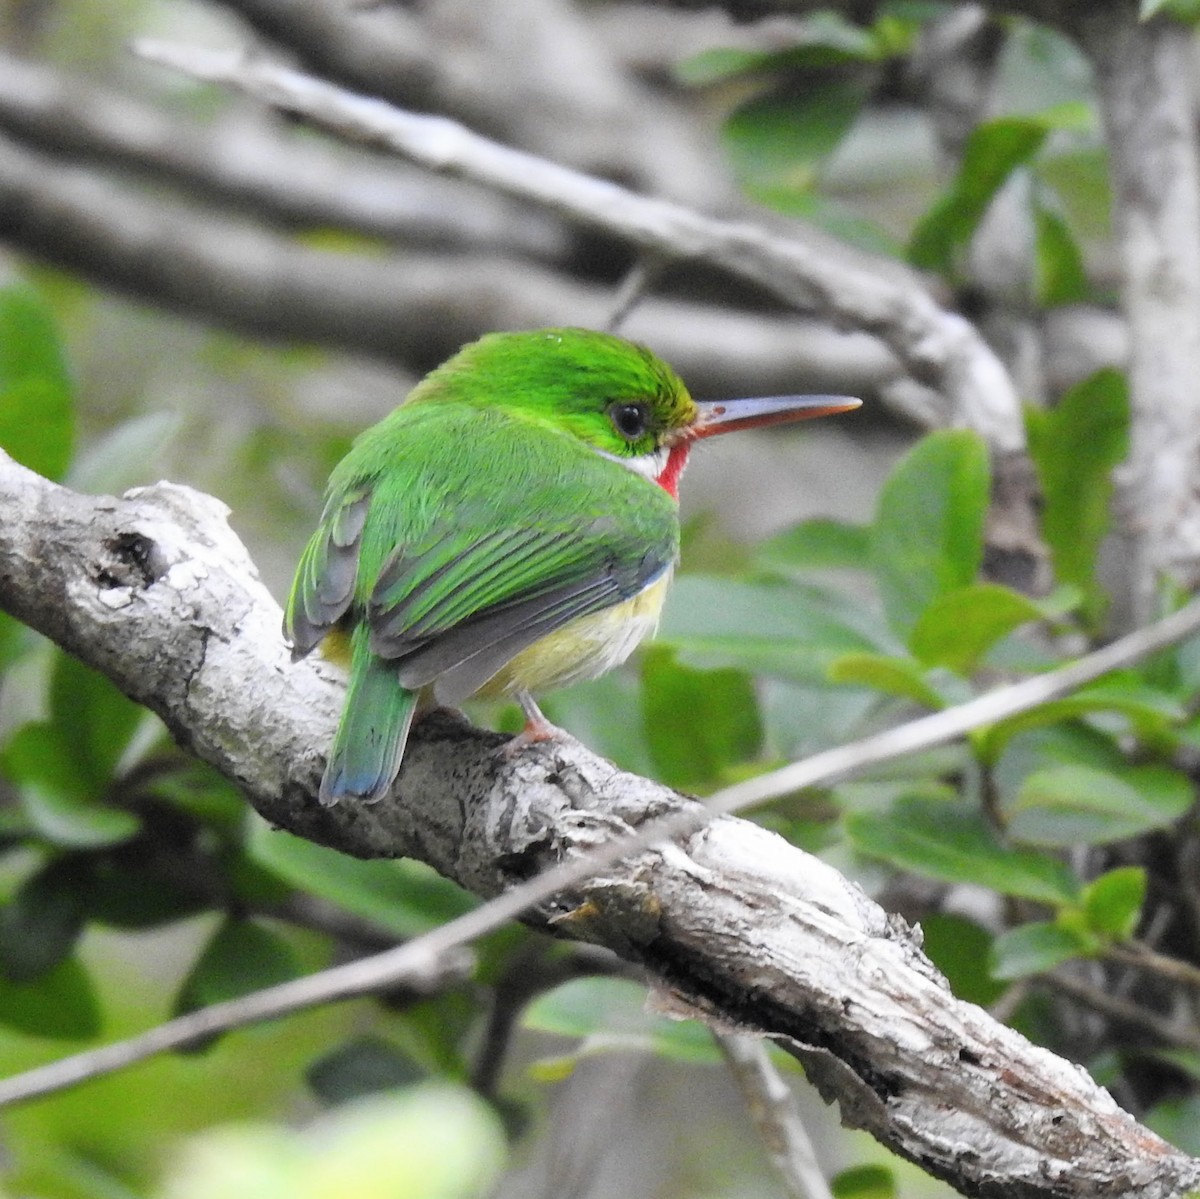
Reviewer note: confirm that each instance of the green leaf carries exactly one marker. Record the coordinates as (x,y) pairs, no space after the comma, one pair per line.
(240,957)
(814,545)
(928,532)
(41,923)
(431,1141)
(1187,11)
(122,893)
(10,640)
(782,137)
(829,213)
(197,789)
(37,421)
(864,1182)
(784,631)
(59,798)
(100,719)
(404,897)
(801,718)
(933,838)
(1060,277)
(364,1065)
(1035,948)
(993,151)
(1112,904)
(959,948)
(61,1003)
(959,627)
(893,676)
(1073,804)
(698,723)
(718,65)
(1178,1121)
(1187,1061)
(822,40)
(1074,448)
(610,1014)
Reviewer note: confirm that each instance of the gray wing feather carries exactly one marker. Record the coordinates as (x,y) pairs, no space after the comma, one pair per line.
(324,587)
(464,658)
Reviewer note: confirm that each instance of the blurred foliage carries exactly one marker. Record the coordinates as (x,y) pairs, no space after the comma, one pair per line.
(1047,840)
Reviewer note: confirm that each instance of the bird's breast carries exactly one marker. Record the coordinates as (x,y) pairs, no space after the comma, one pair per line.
(584,649)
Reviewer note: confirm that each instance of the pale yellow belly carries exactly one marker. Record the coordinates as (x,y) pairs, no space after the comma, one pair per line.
(584,649)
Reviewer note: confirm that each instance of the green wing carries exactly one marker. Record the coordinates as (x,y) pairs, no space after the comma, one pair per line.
(456,613)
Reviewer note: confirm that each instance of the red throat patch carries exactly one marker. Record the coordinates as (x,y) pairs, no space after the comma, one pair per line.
(676,461)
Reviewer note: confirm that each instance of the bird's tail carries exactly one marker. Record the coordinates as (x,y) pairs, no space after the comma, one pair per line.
(369,743)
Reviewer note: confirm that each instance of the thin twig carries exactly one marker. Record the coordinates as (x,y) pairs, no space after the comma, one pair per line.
(1101,1001)
(1144,958)
(420,957)
(773,1109)
(633,289)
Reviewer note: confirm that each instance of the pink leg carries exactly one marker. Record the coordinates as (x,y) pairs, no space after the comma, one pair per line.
(537,727)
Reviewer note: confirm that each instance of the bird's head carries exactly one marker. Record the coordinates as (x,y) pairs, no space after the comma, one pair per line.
(613,394)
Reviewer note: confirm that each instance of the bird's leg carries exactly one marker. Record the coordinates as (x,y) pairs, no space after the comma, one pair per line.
(537,727)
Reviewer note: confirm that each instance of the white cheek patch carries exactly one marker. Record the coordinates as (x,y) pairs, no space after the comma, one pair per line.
(649,466)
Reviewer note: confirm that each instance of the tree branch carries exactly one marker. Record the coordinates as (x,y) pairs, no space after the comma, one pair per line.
(775,1115)
(937,348)
(246,165)
(536,76)
(1144,76)
(406,307)
(156,591)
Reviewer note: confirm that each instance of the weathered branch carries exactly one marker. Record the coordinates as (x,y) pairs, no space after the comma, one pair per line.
(156,591)
(410,307)
(536,75)
(249,165)
(938,348)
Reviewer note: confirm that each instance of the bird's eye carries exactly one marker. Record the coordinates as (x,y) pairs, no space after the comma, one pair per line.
(630,420)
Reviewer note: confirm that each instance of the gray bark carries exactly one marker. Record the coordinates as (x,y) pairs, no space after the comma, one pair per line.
(1144,76)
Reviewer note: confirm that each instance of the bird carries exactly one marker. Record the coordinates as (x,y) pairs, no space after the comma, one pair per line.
(510,528)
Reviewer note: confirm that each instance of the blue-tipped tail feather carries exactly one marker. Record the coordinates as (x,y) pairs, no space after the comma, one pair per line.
(369,743)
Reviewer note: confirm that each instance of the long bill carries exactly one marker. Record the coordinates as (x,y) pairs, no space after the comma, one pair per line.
(725,416)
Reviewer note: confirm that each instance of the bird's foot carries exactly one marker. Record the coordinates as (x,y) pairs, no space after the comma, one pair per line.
(537,729)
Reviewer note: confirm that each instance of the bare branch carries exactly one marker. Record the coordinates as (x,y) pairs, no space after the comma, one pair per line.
(937,347)
(156,591)
(774,1112)
(265,171)
(1175,1033)
(536,75)
(407,307)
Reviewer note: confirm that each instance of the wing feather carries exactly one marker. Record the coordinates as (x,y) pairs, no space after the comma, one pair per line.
(490,615)
(500,634)
(325,579)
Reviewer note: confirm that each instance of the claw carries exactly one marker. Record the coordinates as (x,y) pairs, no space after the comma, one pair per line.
(537,728)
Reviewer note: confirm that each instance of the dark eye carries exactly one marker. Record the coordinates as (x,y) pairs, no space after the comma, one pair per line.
(630,420)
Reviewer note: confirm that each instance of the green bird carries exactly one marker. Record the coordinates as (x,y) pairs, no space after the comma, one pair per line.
(510,528)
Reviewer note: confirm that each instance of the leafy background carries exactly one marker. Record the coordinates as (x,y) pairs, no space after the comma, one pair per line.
(1044,857)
